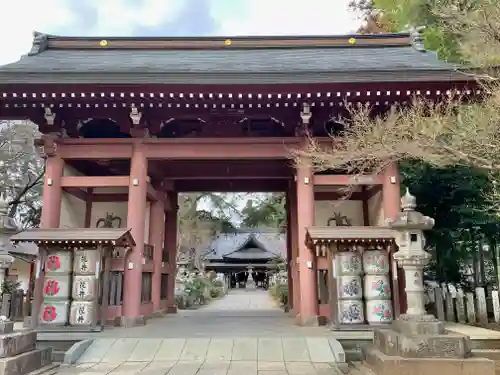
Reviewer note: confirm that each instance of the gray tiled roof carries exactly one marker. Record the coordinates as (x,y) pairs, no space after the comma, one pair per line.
(229,245)
(251,65)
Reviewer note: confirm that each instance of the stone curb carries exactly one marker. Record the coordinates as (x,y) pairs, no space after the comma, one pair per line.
(75,352)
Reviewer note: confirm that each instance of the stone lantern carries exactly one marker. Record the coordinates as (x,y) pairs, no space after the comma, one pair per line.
(412,257)
(417,342)
(8,228)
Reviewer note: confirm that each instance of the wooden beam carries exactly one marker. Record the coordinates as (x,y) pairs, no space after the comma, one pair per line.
(335,196)
(181,148)
(94,181)
(340,179)
(251,186)
(76,192)
(109,197)
(88,209)
(366,207)
(374,190)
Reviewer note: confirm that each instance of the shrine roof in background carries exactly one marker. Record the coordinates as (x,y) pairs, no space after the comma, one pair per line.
(246,246)
(76,236)
(218,61)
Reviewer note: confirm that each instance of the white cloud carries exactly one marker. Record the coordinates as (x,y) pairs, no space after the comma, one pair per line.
(118,17)
(285,17)
(19,18)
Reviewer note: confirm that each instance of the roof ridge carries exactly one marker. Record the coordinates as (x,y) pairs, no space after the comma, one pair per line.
(42,42)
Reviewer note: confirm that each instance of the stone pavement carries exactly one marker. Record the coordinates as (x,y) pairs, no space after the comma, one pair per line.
(219,356)
(243,332)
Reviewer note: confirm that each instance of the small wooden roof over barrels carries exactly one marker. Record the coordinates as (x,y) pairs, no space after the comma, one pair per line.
(76,237)
(348,234)
(322,239)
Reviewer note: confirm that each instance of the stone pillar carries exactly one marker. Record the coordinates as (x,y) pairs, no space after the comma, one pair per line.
(51,210)
(8,228)
(171,246)
(309,308)
(156,235)
(391,193)
(136,219)
(417,342)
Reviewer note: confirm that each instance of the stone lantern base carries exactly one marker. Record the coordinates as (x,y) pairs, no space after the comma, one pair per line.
(420,345)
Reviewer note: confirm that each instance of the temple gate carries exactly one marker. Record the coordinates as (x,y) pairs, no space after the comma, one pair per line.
(128,123)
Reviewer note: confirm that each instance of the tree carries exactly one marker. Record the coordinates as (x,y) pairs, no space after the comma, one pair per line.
(21,171)
(453,137)
(197,226)
(403,15)
(268,212)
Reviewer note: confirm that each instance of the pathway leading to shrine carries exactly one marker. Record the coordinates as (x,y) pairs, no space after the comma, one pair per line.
(243,332)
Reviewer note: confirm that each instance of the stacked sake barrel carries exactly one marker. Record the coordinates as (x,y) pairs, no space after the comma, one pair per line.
(377,287)
(349,288)
(85,287)
(56,288)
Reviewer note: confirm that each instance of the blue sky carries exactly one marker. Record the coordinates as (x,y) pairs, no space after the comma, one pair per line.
(18,19)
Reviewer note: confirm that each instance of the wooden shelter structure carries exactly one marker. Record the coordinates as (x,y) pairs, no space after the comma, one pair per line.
(73,275)
(134,121)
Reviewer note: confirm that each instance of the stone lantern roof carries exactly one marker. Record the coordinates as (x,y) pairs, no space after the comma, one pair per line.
(408,218)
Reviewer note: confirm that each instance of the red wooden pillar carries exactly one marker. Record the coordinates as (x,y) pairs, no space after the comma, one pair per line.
(289,251)
(136,218)
(171,246)
(309,307)
(51,209)
(293,228)
(391,196)
(156,228)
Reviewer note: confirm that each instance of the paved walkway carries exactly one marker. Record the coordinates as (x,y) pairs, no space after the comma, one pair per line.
(241,313)
(243,333)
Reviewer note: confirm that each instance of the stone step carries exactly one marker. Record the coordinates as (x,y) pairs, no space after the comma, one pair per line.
(46,370)
(359,368)
(58,355)
(26,362)
(493,354)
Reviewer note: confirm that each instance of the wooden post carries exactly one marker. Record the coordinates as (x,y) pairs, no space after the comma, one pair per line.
(38,296)
(393,274)
(106,260)
(332,264)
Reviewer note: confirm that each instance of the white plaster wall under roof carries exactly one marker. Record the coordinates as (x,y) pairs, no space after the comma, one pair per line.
(73,209)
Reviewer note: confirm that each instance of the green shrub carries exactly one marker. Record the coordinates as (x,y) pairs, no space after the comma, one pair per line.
(279,292)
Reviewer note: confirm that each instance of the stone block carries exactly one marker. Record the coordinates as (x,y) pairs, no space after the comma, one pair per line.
(26,362)
(171,309)
(419,325)
(392,342)
(434,346)
(381,363)
(134,321)
(6,327)
(307,321)
(28,322)
(15,343)
(386,340)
